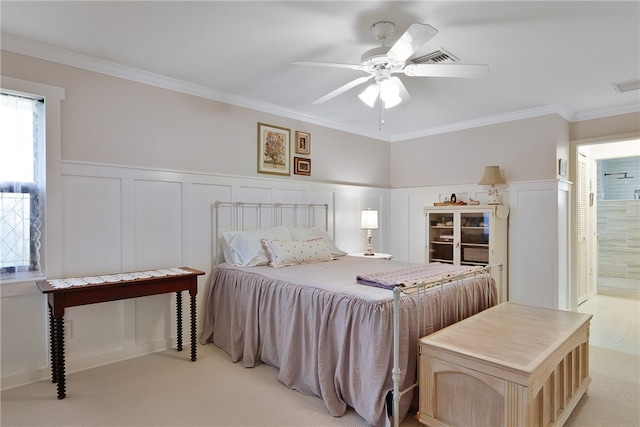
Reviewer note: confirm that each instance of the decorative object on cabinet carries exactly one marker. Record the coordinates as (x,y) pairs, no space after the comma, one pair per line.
(492,177)
(468,235)
(273,150)
(449,203)
(301,166)
(303,142)
(562,167)
(369,221)
(474,202)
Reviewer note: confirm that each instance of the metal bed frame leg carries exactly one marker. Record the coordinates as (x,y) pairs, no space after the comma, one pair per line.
(396,372)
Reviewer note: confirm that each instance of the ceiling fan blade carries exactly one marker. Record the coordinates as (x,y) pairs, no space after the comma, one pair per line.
(342,89)
(330,64)
(414,38)
(404,93)
(446,70)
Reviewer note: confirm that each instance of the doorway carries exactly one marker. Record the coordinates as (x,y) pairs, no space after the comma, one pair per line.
(607,219)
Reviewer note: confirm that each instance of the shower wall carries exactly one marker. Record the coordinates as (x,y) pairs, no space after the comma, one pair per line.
(619,219)
(619,239)
(612,187)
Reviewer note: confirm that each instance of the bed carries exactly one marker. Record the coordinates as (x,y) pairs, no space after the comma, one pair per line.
(327,334)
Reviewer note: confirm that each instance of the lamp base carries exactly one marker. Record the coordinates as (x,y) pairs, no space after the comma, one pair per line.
(369,251)
(494,197)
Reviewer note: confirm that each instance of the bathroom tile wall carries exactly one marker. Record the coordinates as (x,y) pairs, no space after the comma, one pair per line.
(615,186)
(619,239)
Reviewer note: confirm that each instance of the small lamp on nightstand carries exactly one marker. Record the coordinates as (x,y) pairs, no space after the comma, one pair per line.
(492,176)
(369,221)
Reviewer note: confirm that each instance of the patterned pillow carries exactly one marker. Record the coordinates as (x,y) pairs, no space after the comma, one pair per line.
(298,233)
(292,252)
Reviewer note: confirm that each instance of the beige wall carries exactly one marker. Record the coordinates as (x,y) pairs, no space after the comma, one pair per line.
(606,126)
(524,149)
(110,120)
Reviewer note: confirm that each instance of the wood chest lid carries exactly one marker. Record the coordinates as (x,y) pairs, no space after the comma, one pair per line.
(511,335)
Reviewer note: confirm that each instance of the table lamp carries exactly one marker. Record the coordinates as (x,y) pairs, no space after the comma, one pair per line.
(369,221)
(492,176)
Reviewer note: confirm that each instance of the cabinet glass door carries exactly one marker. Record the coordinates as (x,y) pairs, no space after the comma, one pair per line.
(441,237)
(474,238)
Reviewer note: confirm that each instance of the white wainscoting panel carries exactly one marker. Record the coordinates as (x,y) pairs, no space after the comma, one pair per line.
(158,224)
(91,225)
(95,329)
(533,219)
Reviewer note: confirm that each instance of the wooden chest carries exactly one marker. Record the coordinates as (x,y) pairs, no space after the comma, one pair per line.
(511,365)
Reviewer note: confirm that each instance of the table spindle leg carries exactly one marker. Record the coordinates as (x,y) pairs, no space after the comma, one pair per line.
(193,328)
(52,348)
(179,313)
(58,338)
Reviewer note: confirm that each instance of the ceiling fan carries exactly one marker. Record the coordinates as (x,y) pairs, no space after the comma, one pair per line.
(382,62)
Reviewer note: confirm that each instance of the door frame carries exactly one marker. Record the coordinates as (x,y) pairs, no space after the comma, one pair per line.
(619,142)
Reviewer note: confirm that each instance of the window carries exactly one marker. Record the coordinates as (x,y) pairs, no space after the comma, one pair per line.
(22,136)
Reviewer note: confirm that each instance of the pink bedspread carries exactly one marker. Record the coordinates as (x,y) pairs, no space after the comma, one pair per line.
(328,335)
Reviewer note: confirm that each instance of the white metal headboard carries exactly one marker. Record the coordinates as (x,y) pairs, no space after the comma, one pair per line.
(242,216)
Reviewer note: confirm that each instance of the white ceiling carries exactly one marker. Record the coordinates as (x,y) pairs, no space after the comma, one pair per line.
(544,56)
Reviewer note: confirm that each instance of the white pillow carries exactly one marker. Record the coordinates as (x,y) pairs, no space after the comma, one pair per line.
(292,252)
(244,248)
(314,233)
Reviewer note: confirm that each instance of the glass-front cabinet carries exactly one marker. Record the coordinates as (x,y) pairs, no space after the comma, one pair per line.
(468,235)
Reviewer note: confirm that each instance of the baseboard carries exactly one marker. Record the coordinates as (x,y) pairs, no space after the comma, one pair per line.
(76,364)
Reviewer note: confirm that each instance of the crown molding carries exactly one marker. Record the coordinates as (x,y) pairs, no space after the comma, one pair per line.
(606,112)
(47,52)
(560,110)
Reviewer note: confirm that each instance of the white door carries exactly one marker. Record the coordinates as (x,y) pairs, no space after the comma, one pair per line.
(582,227)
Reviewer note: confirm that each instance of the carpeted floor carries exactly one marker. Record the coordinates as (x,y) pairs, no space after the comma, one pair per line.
(613,398)
(166,389)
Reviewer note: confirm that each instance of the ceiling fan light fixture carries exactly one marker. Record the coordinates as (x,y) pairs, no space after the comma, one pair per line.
(391,101)
(388,89)
(370,94)
(390,93)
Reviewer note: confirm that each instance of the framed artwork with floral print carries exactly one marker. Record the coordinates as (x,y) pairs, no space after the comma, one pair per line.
(273,150)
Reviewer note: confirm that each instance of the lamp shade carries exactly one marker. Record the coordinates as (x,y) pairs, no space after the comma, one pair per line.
(389,90)
(492,176)
(370,94)
(369,220)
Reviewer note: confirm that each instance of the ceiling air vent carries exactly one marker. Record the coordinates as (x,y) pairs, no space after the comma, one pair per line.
(437,57)
(626,85)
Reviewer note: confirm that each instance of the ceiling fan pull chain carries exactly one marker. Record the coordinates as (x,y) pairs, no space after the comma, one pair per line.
(381,113)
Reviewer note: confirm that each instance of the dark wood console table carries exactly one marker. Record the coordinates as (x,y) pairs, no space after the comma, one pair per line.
(60,298)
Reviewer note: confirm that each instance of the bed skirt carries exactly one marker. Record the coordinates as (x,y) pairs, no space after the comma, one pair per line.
(335,346)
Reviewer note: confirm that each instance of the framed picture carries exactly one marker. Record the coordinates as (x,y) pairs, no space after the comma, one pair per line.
(274,150)
(562,167)
(303,142)
(301,166)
